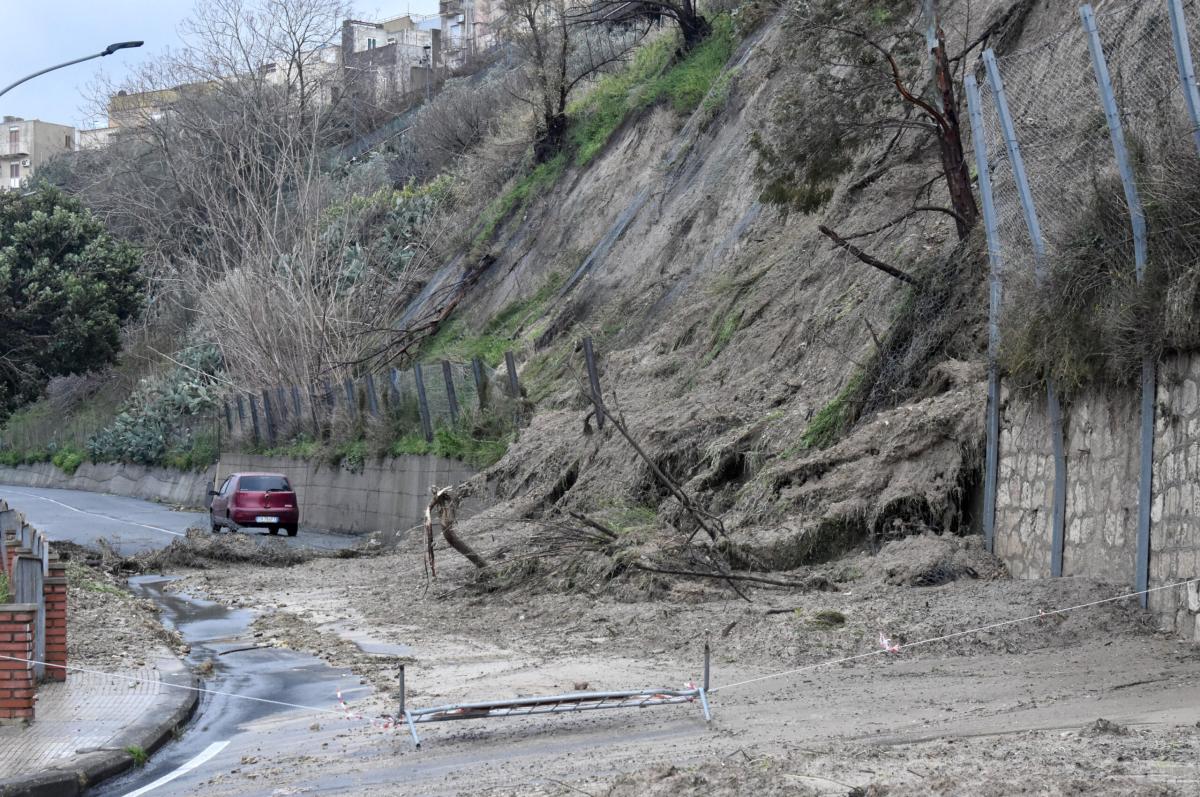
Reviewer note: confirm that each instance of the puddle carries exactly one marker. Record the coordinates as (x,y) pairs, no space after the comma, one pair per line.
(367,643)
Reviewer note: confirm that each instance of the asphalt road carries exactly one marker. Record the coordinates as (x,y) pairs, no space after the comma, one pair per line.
(130,525)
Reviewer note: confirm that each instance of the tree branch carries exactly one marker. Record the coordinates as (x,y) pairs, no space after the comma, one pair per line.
(874,262)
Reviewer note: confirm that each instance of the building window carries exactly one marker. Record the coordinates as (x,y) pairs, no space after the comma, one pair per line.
(14,171)
(370,44)
(14,139)
(69,141)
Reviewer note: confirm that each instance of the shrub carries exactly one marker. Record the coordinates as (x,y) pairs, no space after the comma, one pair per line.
(154,426)
(68,460)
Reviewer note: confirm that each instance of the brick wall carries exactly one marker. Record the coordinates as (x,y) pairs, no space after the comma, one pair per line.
(16,677)
(55,589)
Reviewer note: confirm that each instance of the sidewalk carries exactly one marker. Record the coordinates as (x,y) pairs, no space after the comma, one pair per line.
(84,727)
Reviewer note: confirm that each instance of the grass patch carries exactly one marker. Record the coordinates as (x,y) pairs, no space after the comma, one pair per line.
(514,201)
(649,78)
(138,754)
(835,418)
(454,340)
(827,619)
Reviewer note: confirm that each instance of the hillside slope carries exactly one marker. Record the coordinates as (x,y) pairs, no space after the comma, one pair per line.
(723,328)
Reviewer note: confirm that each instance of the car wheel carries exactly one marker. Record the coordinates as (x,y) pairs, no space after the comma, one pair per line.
(291,530)
(212,520)
(272,530)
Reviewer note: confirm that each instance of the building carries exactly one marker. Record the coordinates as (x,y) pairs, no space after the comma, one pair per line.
(26,144)
(392,57)
(469,27)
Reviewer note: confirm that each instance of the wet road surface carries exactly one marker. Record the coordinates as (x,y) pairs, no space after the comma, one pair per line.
(227,728)
(130,525)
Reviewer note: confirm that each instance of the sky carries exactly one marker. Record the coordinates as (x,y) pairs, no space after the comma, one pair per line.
(36,34)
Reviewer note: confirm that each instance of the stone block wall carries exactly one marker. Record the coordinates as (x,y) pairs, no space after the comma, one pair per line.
(17,688)
(1101,430)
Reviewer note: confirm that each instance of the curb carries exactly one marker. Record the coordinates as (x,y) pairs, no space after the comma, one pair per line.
(72,778)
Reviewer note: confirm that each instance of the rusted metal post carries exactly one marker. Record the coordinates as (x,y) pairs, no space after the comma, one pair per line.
(480,385)
(451,396)
(707,652)
(423,403)
(594,380)
(351,401)
(400,713)
(514,387)
(372,401)
(254,417)
(269,414)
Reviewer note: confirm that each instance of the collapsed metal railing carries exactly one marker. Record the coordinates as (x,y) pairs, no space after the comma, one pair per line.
(556,704)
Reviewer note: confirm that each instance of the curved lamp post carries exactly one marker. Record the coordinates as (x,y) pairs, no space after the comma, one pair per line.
(109,50)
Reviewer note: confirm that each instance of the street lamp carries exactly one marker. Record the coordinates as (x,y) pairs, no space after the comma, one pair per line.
(109,50)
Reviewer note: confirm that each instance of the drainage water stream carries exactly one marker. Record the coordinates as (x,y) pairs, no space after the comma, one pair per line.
(222,721)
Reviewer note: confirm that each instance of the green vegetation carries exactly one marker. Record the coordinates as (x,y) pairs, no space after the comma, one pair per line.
(155,425)
(138,754)
(454,341)
(515,200)
(724,327)
(68,460)
(3,587)
(66,288)
(651,78)
(827,619)
(835,418)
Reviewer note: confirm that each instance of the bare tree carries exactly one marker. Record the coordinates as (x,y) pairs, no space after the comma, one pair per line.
(693,25)
(868,80)
(560,55)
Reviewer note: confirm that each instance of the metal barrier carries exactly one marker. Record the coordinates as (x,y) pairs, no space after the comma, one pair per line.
(556,704)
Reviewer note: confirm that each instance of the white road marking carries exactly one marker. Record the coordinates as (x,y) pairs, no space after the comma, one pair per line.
(208,753)
(96,514)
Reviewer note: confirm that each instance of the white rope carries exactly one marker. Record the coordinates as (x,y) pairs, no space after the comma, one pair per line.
(943,638)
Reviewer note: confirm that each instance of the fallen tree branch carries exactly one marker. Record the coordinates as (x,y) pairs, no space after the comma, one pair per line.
(874,262)
(811,585)
(445,500)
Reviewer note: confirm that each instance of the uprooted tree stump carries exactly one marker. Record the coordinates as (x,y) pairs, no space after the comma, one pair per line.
(445,501)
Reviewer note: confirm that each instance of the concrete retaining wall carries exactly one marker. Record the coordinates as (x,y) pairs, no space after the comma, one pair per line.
(1101,431)
(188,488)
(390,494)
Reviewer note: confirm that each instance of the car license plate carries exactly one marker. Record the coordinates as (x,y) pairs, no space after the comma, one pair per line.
(266,519)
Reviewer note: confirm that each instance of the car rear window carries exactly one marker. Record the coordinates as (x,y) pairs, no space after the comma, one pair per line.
(260,484)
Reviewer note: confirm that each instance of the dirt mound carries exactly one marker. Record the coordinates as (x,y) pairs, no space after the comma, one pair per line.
(927,560)
(201,549)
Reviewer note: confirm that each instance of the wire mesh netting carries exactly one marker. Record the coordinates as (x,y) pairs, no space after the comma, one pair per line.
(1076,196)
(453,392)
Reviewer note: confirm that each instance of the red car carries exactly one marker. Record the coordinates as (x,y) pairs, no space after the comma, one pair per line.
(260,500)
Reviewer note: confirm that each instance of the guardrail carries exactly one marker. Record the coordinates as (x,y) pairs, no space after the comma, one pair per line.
(556,704)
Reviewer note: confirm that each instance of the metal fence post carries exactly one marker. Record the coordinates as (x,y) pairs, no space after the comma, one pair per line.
(448,377)
(296,402)
(228,418)
(991,466)
(1059,505)
(1137,220)
(269,415)
(1187,70)
(351,401)
(241,416)
(372,401)
(514,387)
(281,402)
(423,403)
(254,416)
(594,380)
(480,384)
